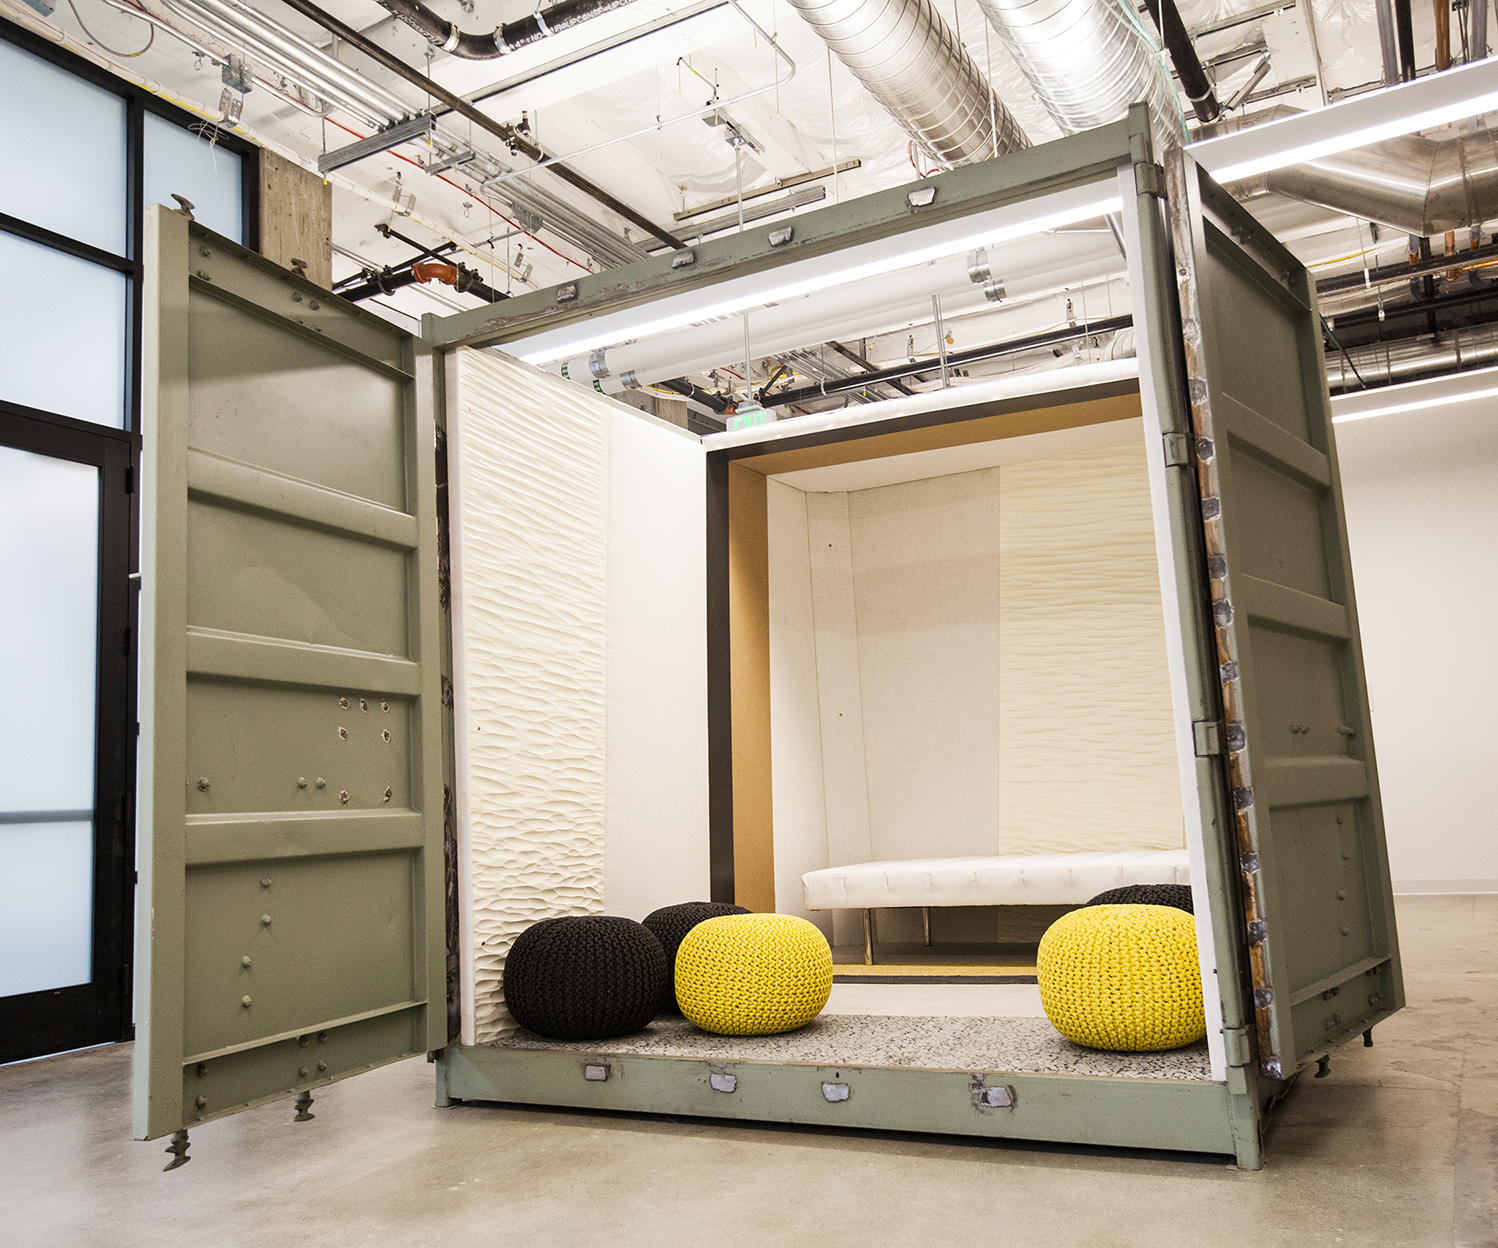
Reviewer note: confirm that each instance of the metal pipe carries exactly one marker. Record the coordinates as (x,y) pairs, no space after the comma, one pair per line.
(1443,34)
(910,60)
(1183,56)
(1478,34)
(1088,60)
(1416,185)
(503,39)
(1407,359)
(941,340)
(512,137)
(1388,41)
(956,359)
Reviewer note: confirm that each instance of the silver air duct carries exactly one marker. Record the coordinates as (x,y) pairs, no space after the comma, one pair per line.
(1416,185)
(908,58)
(1088,60)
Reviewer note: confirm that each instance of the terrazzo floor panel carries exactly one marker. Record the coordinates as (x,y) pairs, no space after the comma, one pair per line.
(932,1043)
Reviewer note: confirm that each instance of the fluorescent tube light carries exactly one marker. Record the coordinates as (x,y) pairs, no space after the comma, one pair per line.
(1403,109)
(1415,405)
(866,260)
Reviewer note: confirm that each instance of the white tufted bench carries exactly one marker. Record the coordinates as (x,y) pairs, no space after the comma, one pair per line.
(1005,880)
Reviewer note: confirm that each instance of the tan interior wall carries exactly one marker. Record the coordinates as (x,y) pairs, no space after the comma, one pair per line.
(296,217)
(749,645)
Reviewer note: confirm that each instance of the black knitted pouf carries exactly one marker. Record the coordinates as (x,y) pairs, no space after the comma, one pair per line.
(586,977)
(671,925)
(1177,895)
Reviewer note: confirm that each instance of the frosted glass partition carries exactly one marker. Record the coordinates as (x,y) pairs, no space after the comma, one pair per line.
(49,565)
(63,149)
(63,347)
(178,161)
(46,905)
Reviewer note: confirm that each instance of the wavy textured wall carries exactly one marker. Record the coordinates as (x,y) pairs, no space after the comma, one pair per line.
(530,504)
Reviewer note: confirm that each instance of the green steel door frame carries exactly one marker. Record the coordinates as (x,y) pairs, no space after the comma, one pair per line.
(290,905)
(1312,866)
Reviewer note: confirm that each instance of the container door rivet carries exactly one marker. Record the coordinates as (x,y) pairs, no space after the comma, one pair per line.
(245,962)
(321,1066)
(343,796)
(321,783)
(301,782)
(301,1072)
(265,881)
(203,783)
(265,920)
(245,1001)
(201,1102)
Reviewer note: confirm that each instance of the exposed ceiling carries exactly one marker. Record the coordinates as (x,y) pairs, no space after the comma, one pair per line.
(634,90)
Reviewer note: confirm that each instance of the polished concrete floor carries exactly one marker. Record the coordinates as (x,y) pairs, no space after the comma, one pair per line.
(1398,1146)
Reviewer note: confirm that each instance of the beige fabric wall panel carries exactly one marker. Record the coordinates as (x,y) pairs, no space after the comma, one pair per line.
(795,720)
(529,479)
(1087,754)
(839,695)
(926,575)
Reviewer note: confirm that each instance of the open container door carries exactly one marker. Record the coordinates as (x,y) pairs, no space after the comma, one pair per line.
(1316,895)
(290,906)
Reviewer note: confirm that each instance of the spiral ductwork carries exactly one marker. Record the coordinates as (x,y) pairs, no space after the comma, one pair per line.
(1088,60)
(910,60)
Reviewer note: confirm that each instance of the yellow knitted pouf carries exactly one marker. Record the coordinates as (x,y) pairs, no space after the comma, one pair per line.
(1123,977)
(753,974)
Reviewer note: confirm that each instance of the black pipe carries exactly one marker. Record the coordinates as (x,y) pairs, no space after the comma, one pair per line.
(1183,56)
(1401,270)
(683,387)
(388,280)
(1404,27)
(510,37)
(511,136)
(954,360)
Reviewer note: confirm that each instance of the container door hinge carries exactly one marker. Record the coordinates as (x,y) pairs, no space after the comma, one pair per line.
(1149,179)
(1236,1046)
(1177,450)
(1208,736)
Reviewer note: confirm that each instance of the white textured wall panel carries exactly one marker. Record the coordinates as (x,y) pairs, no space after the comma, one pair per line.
(926,580)
(529,472)
(990,663)
(1087,750)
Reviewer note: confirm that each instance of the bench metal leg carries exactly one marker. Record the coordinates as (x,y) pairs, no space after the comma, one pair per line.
(868,938)
(926,923)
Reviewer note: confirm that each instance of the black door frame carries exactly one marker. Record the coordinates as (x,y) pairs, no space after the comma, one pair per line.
(56,1019)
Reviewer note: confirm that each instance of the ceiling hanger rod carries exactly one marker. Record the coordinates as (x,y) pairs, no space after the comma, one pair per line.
(508,134)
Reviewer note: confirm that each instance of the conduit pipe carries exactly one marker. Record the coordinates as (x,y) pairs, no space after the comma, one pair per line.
(1413,184)
(1183,56)
(909,59)
(504,39)
(1088,60)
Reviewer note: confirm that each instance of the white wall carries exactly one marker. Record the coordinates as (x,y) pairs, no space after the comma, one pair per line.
(1421,491)
(580,661)
(655,770)
(976,661)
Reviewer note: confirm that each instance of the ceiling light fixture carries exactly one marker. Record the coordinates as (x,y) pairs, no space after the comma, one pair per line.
(1406,108)
(1417,395)
(818,273)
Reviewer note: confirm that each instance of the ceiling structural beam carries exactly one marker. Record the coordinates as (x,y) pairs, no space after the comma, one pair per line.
(508,134)
(849,354)
(1404,28)
(1384,274)
(955,359)
(380,141)
(780,184)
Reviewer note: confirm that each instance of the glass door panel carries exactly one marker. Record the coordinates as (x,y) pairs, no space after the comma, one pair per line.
(49,563)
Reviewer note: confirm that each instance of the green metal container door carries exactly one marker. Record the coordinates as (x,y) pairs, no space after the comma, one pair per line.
(290,904)
(1316,899)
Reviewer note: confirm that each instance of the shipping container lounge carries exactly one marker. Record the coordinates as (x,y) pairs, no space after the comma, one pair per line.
(438,644)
